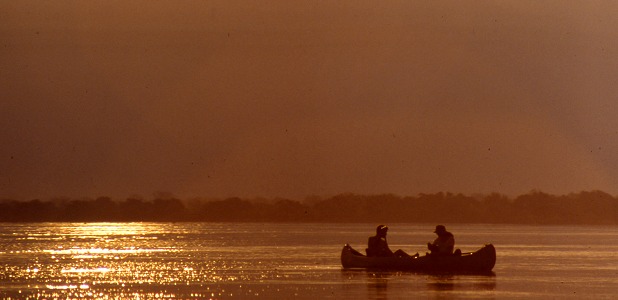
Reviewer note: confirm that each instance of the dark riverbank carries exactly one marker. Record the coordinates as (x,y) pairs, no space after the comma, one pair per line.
(594,207)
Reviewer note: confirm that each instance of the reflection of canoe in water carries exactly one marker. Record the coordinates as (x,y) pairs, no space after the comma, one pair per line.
(483,260)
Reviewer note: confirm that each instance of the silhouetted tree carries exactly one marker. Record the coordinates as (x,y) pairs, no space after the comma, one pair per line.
(594,207)
(168,210)
(496,208)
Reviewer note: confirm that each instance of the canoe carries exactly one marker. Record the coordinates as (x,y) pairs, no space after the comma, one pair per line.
(480,261)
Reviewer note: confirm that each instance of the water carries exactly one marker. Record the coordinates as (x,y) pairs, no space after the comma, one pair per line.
(238,260)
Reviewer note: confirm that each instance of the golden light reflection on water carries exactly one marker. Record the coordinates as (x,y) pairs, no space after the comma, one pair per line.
(97,252)
(67,287)
(82,270)
(72,259)
(104,229)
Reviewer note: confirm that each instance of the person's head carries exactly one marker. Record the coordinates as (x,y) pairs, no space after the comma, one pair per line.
(381,230)
(440,229)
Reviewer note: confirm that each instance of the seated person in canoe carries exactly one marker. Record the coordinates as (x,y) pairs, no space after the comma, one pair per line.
(378,246)
(444,243)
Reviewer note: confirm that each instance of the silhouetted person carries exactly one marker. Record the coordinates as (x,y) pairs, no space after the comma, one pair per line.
(444,244)
(377,245)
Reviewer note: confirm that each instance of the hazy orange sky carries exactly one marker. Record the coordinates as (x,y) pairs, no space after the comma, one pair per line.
(296,98)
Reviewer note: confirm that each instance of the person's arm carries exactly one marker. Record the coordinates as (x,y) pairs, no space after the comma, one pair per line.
(450,244)
(384,249)
(433,246)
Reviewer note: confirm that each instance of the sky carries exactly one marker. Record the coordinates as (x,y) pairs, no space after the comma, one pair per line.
(290,99)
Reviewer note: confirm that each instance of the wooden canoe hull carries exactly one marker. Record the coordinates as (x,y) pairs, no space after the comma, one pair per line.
(482,260)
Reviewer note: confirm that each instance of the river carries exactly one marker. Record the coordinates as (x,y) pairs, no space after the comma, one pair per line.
(282,261)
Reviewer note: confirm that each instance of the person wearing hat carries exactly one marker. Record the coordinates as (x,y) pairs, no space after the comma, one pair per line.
(377,245)
(444,244)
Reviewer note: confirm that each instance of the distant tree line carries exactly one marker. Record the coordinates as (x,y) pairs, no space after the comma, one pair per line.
(590,207)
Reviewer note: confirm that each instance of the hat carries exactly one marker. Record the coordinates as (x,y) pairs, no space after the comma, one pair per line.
(381,228)
(440,228)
